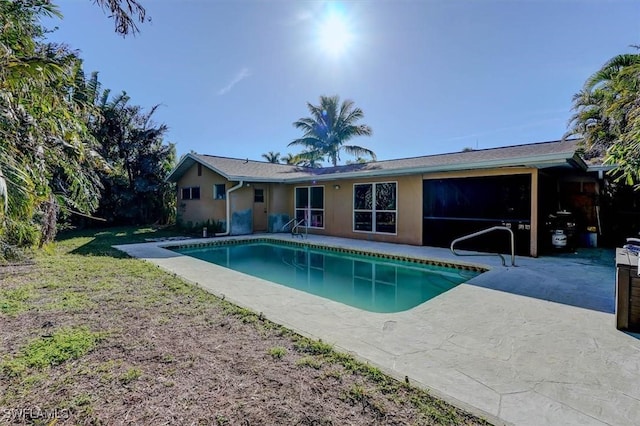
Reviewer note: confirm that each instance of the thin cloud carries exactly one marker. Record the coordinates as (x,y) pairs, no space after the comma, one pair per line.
(241,75)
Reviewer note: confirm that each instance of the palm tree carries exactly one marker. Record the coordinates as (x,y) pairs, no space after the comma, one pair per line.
(311,159)
(607,116)
(133,144)
(272,157)
(46,152)
(330,126)
(125,14)
(291,159)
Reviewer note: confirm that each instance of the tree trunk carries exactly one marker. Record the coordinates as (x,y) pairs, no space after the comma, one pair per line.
(49,221)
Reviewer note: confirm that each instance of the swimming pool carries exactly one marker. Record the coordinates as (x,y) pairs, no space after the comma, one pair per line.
(373,282)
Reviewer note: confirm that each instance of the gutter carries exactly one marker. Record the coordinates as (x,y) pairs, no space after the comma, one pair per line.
(601,169)
(537,161)
(228,223)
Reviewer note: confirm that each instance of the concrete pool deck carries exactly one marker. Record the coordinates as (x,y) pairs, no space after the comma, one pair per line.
(534,344)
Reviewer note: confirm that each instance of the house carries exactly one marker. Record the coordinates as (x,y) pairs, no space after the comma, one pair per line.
(428,200)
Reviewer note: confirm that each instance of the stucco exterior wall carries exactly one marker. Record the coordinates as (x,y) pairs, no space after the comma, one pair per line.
(338,209)
(338,203)
(278,199)
(206,208)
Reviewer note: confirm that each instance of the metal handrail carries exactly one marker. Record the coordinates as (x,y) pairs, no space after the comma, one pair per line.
(284,227)
(297,225)
(485,231)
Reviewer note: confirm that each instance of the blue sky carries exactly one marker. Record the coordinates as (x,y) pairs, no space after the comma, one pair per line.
(431,76)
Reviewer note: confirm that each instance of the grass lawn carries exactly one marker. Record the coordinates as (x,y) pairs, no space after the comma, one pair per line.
(90,336)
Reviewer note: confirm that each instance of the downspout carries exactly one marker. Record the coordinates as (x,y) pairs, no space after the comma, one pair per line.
(229,191)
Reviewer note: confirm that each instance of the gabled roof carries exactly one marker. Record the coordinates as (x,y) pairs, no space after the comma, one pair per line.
(537,155)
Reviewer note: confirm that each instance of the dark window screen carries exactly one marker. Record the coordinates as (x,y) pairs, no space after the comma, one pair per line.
(492,197)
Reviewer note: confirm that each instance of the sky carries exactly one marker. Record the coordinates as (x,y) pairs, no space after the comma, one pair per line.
(431,76)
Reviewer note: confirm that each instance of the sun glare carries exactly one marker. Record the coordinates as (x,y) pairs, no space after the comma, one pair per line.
(334,35)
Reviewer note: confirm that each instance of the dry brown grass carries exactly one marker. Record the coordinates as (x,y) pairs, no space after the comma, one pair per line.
(169,353)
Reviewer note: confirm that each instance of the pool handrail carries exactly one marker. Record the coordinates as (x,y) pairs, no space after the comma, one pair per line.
(295,228)
(284,227)
(486,231)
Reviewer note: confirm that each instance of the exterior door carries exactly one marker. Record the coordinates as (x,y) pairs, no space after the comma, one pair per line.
(259,209)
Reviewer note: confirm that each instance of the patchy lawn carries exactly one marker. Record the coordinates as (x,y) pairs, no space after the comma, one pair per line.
(90,336)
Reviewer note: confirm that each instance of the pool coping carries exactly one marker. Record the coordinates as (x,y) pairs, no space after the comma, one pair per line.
(337,249)
(492,358)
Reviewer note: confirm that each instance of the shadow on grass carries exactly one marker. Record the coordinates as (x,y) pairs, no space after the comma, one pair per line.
(101,240)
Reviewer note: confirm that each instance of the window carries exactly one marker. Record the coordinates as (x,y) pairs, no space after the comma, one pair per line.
(375,207)
(258,195)
(219,191)
(309,203)
(199,169)
(191,193)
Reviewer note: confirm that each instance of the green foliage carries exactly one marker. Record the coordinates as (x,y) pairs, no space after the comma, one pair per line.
(330,126)
(309,361)
(130,375)
(51,165)
(313,347)
(222,420)
(126,16)
(213,227)
(607,116)
(69,301)
(272,157)
(83,261)
(20,233)
(14,301)
(358,394)
(277,352)
(135,188)
(40,353)
(45,146)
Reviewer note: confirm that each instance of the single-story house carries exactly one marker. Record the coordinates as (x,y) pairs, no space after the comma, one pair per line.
(428,200)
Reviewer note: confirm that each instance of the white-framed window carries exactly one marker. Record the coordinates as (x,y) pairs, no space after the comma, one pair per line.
(219,191)
(375,207)
(191,193)
(309,203)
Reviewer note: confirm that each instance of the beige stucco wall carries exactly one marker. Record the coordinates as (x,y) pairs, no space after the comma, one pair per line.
(338,203)
(339,209)
(278,197)
(206,208)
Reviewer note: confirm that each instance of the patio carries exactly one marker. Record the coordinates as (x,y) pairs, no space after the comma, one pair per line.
(534,344)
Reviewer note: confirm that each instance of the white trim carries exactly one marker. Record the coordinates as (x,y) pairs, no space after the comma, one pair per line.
(373,209)
(308,210)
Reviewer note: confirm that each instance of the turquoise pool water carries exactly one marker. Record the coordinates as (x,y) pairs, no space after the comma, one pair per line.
(365,282)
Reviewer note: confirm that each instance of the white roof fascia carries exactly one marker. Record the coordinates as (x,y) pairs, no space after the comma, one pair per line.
(197,160)
(601,167)
(177,167)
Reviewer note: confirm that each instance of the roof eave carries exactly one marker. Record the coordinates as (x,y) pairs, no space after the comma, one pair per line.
(177,172)
(182,167)
(540,161)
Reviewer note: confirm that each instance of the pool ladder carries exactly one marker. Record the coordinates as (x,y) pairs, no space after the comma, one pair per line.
(486,231)
(296,228)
